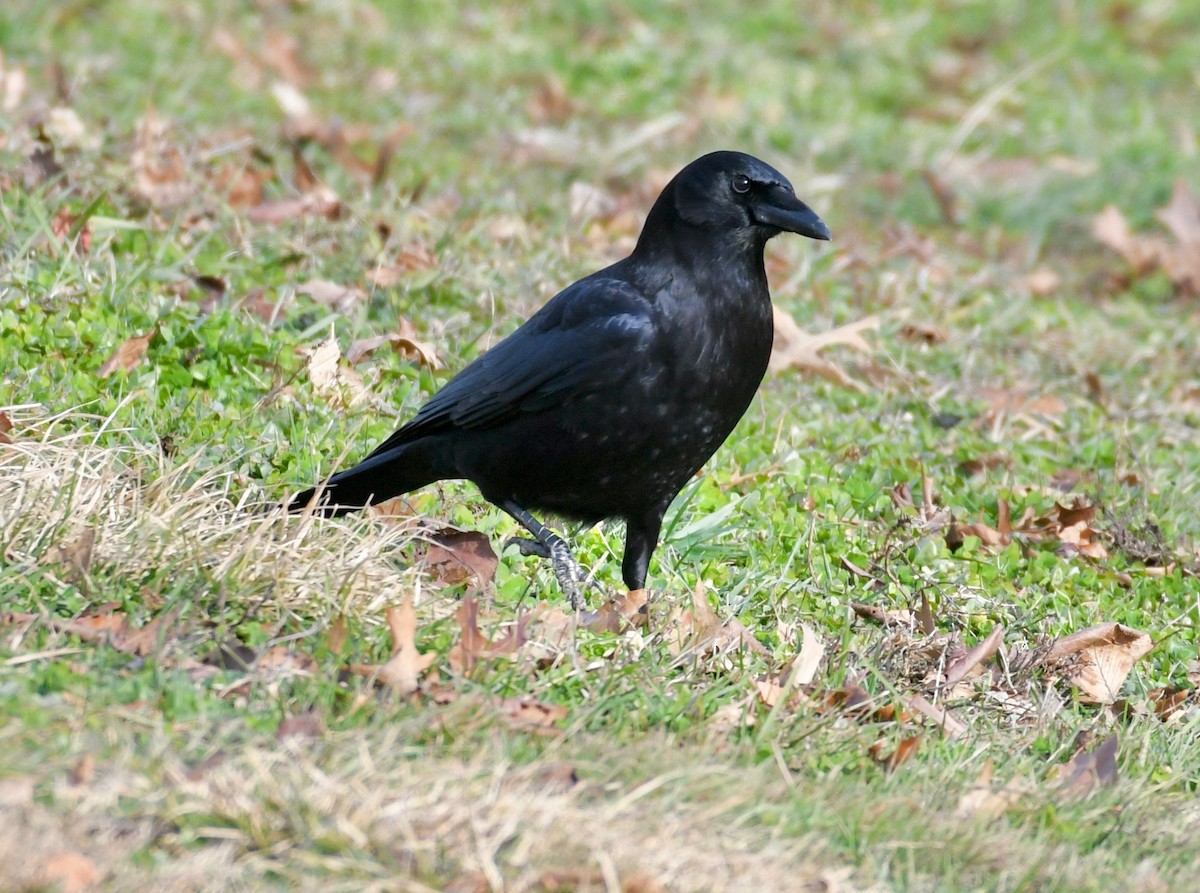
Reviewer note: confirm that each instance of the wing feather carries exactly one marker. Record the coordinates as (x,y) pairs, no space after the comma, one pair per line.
(580,342)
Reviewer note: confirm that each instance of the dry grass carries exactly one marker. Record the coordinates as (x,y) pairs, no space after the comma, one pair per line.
(362,814)
(362,810)
(148,512)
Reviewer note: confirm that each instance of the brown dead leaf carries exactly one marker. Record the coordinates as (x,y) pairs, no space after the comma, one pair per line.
(986,462)
(555,776)
(950,725)
(944,195)
(13,82)
(1066,479)
(904,751)
(281,52)
(82,772)
(1182,214)
(128,355)
(95,628)
(958,668)
(549,102)
(1042,282)
(411,349)
(472,882)
(474,646)
(593,880)
(321,203)
(247,72)
(551,633)
(1078,512)
(925,621)
(75,556)
(113,629)
(852,701)
(62,225)
(901,617)
(1006,402)
(306,725)
(901,496)
(530,715)
(1086,772)
(258,303)
(1182,217)
(624,610)
(1178,258)
(924,333)
(402,672)
(812,650)
(509,228)
(769,690)
(796,349)
(1097,660)
(735,635)
(983,801)
(212,287)
(1143,254)
(589,201)
(341,298)
(337,635)
(456,555)
(282,662)
(1080,538)
(795,678)
(704,620)
(857,703)
(396,507)
(6,425)
(69,873)
(338,385)
(159,172)
(1169,703)
(238,185)
(323,363)
(733,716)
(1069,527)
(410,258)
(989,537)
(21,619)
(701,632)
(304,178)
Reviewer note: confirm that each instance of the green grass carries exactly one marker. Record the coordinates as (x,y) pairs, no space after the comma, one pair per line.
(1035,119)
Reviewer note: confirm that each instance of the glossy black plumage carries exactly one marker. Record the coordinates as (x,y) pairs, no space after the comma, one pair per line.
(613,395)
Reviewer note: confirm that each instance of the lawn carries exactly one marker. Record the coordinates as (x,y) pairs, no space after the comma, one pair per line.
(239,243)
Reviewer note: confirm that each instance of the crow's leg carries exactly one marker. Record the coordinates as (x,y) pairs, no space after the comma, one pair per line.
(641,539)
(548,544)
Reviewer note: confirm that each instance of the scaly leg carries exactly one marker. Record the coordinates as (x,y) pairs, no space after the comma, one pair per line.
(548,544)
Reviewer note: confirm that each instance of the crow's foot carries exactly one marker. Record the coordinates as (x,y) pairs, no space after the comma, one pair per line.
(527,547)
(547,544)
(569,573)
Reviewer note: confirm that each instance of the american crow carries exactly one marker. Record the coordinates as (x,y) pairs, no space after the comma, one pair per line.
(614,394)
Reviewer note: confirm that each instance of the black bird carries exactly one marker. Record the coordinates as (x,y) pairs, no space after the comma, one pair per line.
(614,394)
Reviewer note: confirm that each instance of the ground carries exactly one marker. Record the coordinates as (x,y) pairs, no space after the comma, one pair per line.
(926,622)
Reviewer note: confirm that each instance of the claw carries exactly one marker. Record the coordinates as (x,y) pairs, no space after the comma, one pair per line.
(547,544)
(527,547)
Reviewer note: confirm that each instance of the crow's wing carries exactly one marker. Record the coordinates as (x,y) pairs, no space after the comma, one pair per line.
(585,339)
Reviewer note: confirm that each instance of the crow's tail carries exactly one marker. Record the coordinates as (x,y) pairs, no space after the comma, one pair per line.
(399,470)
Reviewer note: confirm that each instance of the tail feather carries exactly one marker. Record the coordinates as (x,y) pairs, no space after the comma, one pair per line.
(373,480)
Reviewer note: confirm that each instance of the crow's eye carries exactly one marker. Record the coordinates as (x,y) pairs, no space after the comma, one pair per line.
(741,184)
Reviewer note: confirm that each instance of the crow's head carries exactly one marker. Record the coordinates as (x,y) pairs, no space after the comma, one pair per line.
(740,195)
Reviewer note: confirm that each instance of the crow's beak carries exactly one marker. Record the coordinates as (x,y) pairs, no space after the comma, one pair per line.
(780,208)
